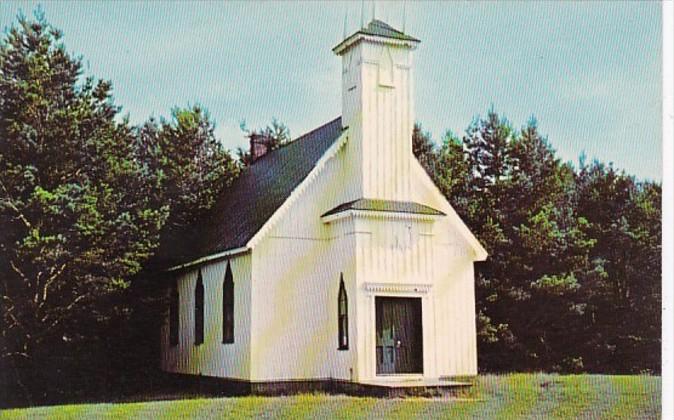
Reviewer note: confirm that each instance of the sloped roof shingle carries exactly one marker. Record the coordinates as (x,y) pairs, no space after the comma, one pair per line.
(379,28)
(375,28)
(369,204)
(252,198)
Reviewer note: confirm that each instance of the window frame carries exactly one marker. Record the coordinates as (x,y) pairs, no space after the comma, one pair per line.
(199,310)
(342,316)
(228,306)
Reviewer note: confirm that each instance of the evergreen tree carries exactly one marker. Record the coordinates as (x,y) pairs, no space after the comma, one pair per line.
(487,145)
(572,279)
(486,149)
(520,204)
(75,214)
(625,217)
(423,148)
(85,200)
(188,166)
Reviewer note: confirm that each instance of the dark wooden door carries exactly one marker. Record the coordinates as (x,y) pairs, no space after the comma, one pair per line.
(399,335)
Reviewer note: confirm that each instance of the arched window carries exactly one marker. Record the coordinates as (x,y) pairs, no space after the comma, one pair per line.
(228,306)
(174,315)
(199,311)
(343,315)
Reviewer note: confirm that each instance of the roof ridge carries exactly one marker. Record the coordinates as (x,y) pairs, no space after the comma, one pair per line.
(314,130)
(385,25)
(385,205)
(378,27)
(252,199)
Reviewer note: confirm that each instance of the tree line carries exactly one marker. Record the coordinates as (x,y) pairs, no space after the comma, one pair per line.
(573,278)
(86,198)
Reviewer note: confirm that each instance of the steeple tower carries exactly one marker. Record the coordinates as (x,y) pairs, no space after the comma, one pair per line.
(378,108)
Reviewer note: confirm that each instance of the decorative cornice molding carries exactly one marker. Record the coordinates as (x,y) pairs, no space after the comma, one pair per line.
(375,39)
(378,214)
(419,288)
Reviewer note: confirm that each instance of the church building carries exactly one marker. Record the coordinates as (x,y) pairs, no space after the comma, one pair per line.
(334,258)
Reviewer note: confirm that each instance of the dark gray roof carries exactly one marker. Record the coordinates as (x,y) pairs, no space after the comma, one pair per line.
(385,206)
(252,198)
(379,28)
(376,28)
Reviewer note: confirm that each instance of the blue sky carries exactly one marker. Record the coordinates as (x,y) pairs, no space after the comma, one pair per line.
(589,72)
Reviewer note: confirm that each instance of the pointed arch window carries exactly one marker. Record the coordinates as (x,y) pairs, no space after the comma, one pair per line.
(199,310)
(228,306)
(174,316)
(343,315)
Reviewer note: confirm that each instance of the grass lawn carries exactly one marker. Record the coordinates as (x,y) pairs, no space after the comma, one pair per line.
(493,396)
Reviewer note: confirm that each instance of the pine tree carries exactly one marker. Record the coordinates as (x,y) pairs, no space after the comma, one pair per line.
(76,216)
(423,148)
(625,217)
(189,167)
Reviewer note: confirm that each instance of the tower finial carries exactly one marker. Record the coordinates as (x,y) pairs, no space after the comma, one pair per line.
(374,9)
(345,17)
(362,13)
(404,16)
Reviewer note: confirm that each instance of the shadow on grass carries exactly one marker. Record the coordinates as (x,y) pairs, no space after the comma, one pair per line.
(156,387)
(169,387)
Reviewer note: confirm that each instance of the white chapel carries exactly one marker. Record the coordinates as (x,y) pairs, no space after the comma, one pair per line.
(333,259)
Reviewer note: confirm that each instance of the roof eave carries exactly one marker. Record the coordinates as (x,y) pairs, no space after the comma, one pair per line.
(210,258)
(329,218)
(411,43)
(318,168)
(479,252)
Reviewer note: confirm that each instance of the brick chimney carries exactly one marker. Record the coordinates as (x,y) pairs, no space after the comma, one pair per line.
(259,146)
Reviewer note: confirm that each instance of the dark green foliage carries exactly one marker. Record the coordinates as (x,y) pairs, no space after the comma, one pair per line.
(188,167)
(453,172)
(625,217)
(85,200)
(572,282)
(76,218)
(423,148)
(276,133)
(187,164)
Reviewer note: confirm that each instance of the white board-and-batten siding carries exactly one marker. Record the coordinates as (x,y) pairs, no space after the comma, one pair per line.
(305,257)
(296,274)
(212,357)
(454,282)
(380,115)
(286,291)
(286,285)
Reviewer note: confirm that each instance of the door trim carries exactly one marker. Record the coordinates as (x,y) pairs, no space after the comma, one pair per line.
(422,344)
